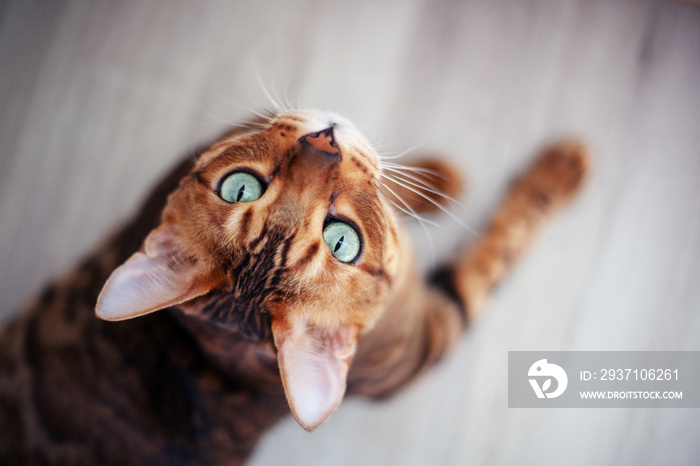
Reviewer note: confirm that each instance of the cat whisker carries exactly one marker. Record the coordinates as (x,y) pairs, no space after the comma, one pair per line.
(216,120)
(408,168)
(227,100)
(269,118)
(286,95)
(300,103)
(212,117)
(408,210)
(407,185)
(389,156)
(271,115)
(275,103)
(405,207)
(377,142)
(421,184)
(281,107)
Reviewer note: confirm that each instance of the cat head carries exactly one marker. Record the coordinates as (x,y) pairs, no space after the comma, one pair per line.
(278,232)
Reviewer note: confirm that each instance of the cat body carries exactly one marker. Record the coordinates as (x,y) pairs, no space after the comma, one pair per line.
(269,274)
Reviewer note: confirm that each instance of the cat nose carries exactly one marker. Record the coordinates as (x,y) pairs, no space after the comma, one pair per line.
(323,140)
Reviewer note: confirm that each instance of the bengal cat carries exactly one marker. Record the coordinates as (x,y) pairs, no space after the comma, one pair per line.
(248,283)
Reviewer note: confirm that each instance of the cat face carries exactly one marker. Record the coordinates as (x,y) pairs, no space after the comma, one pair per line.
(279,231)
(278,248)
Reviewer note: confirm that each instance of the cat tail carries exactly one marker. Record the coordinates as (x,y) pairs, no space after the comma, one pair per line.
(552,180)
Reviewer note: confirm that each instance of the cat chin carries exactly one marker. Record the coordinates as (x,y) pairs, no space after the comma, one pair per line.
(251,333)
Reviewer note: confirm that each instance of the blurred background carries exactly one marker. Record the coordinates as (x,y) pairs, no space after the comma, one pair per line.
(99,99)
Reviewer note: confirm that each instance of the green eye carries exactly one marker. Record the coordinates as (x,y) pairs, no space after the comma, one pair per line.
(343,241)
(240,187)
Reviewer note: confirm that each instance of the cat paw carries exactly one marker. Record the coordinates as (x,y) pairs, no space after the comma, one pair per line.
(560,171)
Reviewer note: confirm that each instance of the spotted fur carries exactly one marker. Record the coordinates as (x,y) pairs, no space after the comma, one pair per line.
(253,299)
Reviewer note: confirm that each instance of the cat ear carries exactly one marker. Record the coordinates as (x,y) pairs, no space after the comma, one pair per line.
(314,365)
(156,277)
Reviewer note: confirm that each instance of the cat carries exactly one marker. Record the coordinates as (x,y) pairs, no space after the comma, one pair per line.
(269,274)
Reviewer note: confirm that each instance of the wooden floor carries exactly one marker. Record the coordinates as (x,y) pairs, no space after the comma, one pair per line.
(97,99)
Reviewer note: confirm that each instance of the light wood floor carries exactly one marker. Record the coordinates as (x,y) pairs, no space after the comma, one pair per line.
(97,99)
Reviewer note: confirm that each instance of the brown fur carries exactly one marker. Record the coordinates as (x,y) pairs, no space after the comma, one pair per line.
(199,382)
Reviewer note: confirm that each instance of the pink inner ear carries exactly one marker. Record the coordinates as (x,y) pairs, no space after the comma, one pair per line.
(314,365)
(154,279)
